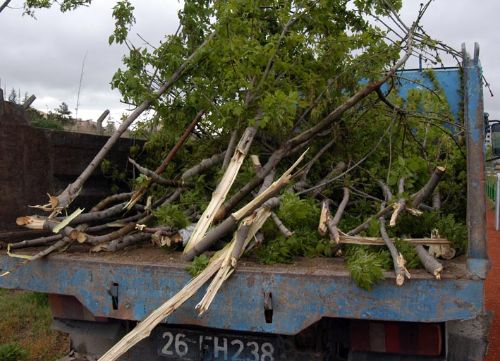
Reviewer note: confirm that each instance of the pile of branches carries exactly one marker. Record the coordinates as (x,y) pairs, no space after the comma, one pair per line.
(277,131)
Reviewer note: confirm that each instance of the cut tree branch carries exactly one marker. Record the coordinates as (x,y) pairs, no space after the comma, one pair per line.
(143,189)
(158,178)
(230,223)
(64,199)
(333,222)
(223,188)
(397,258)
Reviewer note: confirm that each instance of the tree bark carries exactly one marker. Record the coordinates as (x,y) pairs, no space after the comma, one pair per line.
(230,223)
(110,200)
(41,241)
(416,201)
(397,258)
(157,178)
(230,149)
(333,223)
(400,205)
(429,187)
(430,263)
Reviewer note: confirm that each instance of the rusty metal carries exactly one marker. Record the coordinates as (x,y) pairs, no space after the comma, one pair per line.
(476,198)
(302,293)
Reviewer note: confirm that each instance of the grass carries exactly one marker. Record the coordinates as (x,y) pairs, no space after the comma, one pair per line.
(25,332)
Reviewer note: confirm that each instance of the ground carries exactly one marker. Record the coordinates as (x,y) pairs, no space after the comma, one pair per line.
(25,334)
(492,288)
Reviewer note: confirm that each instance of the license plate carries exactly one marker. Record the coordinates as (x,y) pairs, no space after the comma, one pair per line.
(182,344)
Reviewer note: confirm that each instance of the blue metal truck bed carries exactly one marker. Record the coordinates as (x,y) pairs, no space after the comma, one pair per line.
(302,293)
(281,299)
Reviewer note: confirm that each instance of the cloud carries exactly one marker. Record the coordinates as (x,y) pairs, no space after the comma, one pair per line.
(464,21)
(44,56)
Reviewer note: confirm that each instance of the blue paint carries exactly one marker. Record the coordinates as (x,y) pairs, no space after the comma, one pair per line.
(478,266)
(448,79)
(473,102)
(299,299)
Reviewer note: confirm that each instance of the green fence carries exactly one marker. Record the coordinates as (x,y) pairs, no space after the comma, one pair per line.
(491,187)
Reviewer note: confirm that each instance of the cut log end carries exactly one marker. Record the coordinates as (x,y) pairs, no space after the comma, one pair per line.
(30,222)
(78,236)
(400,280)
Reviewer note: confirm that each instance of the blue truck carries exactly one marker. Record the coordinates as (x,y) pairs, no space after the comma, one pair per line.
(311,310)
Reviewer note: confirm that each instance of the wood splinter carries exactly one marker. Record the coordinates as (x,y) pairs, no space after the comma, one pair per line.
(400,205)
(399,262)
(430,263)
(332,224)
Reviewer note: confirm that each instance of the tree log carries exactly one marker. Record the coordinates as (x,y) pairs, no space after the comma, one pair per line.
(397,258)
(428,188)
(333,223)
(430,263)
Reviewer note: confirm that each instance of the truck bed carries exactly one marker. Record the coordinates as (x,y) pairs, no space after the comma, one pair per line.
(129,284)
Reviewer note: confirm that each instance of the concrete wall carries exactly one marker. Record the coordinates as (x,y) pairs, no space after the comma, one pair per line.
(34,162)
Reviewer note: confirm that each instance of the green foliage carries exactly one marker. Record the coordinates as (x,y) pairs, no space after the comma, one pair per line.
(366,266)
(446,224)
(140,181)
(409,253)
(64,5)
(301,217)
(195,197)
(299,213)
(25,328)
(123,13)
(63,113)
(117,176)
(47,123)
(171,215)
(39,299)
(455,231)
(302,243)
(198,264)
(50,120)
(12,352)
(285,66)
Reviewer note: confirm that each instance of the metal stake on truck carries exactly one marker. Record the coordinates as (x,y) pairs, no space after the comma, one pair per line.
(309,311)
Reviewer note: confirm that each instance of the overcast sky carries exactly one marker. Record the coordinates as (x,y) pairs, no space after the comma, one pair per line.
(44,56)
